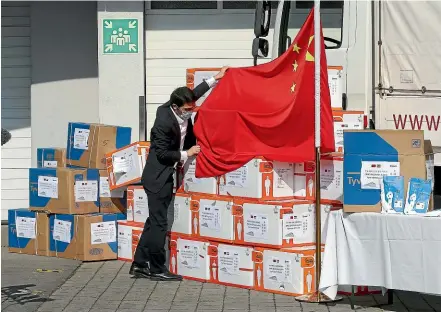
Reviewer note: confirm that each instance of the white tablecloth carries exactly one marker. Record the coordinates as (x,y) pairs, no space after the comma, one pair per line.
(391,251)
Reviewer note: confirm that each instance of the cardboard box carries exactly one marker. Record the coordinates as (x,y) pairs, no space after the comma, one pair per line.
(87,144)
(128,238)
(260,179)
(214,217)
(304,177)
(137,230)
(346,120)
(189,257)
(137,204)
(111,201)
(51,157)
(89,237)
(204,215)
(276,224)
(196,76)
(331,179)
(286,271)
(28,232)
(192,184)
(232,265)
(381,152)
(430,161)
(64,190)
(183,216)
(335,83)
(125,165)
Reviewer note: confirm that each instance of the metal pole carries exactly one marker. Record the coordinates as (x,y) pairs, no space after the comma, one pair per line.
(318,223)
(317,63)
(317,296)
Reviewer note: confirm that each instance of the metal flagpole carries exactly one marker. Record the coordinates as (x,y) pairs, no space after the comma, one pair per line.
(317,296)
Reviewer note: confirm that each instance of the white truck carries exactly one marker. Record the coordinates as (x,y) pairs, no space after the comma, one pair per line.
(388,54)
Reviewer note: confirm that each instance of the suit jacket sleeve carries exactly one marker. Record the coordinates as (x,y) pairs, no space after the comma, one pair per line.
(162,135)
(200,90)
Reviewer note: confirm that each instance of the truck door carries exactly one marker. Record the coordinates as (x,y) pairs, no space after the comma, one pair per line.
(408,73)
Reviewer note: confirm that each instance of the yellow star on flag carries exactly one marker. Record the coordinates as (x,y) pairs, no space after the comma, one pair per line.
(295,65)
(293,88)
(308,56)
(296,48)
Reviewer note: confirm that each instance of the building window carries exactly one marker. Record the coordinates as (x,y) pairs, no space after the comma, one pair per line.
(323,4)
(182,5)
(242,5)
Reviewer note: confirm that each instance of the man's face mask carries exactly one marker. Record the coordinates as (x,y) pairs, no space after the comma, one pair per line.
(184,112)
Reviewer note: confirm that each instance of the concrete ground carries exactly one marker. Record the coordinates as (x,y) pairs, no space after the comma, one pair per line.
(23,287)
(107,287)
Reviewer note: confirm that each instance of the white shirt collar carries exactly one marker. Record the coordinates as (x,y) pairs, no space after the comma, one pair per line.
(179,119)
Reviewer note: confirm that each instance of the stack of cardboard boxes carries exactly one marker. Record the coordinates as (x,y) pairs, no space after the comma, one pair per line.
(72,212)
(245,229)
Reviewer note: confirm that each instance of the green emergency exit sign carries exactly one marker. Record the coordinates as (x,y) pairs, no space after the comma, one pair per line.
(120,36)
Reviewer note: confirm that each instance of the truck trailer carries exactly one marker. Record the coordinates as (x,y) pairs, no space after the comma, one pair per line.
(387,55)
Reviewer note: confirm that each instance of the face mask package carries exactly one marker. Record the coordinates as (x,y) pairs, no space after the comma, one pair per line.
(392,194)
(418,196)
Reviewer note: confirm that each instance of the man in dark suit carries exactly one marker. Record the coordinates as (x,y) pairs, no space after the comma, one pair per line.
(172,142)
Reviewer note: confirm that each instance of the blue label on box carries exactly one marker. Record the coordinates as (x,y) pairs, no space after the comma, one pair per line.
(45,154)
(123,137)
(112,217)
(17,239)
(77,140)
(366,143)
(34,174)
(363,147)
(94,175)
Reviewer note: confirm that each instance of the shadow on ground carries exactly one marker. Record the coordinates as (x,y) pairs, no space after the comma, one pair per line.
(21,294)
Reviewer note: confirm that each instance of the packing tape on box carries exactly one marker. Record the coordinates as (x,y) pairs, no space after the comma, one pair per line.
(91,145)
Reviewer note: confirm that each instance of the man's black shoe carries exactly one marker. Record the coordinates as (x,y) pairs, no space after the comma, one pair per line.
(165,276)
(138,271)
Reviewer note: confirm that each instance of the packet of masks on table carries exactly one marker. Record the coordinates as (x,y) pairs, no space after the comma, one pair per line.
(418,196)
(392,194)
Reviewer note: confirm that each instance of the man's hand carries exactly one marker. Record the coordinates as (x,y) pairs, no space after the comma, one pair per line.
(221,74)
(194,151)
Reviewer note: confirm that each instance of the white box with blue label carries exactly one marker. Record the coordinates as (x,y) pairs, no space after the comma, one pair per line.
(371,154)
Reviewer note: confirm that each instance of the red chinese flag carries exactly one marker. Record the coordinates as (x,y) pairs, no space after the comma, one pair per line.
(265,110)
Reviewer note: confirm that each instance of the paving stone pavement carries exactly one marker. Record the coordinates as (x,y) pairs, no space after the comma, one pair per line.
(23,288)
(107,287)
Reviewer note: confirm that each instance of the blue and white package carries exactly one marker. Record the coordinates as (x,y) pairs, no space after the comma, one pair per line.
(392,194)
(418,196)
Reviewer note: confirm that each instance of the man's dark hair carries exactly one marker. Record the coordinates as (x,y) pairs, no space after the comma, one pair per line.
(181,96)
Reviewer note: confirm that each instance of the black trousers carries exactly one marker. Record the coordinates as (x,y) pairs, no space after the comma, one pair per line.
(151,244)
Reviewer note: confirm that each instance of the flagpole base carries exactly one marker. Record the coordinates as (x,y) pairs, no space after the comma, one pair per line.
(317,297)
